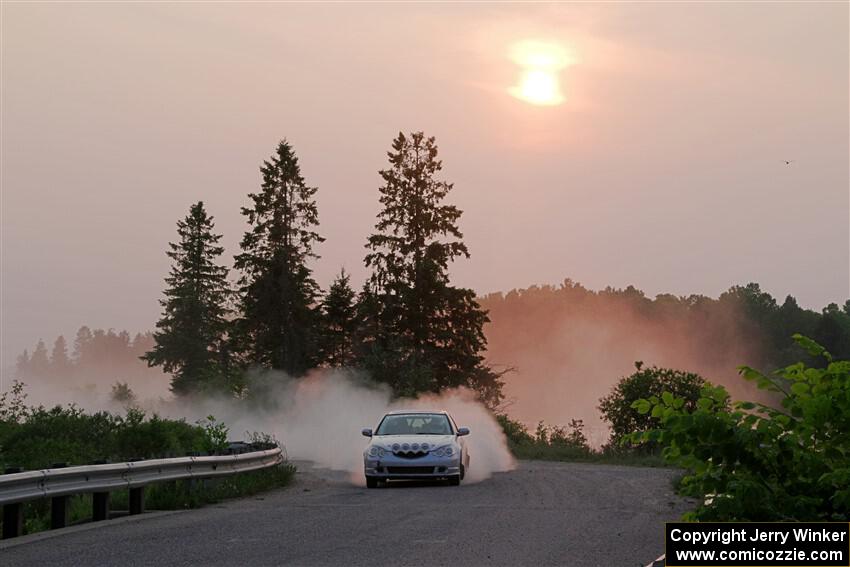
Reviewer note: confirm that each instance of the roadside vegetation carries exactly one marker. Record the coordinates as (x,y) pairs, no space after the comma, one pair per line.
(33,438)
(756,462)
(567,443)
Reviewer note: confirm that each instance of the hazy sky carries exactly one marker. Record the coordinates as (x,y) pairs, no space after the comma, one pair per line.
(661,168)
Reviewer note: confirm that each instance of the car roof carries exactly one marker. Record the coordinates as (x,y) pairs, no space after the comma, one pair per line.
(397,412)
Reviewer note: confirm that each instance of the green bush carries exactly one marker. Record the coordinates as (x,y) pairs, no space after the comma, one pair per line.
(69,435)
(35,437)
(761,463)
(554,443)
(618,407)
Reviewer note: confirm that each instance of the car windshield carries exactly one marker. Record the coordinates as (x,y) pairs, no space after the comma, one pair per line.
(415,424)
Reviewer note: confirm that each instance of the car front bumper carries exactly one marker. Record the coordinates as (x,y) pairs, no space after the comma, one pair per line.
(391,467)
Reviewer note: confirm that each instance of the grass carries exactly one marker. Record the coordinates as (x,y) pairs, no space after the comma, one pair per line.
(183,494)
(567,443)
(554,452)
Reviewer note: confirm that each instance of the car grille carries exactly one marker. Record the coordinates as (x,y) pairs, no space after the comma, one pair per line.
(410,454)
(410,470)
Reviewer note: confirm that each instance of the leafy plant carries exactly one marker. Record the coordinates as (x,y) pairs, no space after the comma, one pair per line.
(548,442)
(13,406)
(215,434)
(646,382)
(760,463)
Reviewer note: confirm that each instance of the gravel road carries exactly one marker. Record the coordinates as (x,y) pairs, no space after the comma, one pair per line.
(542,513)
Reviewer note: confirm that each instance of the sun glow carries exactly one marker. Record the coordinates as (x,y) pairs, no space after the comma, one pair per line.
(541,63)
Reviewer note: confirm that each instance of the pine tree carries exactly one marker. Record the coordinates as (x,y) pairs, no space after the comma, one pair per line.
(82,345)
(22,366)
(340,322)
(60,363)
(429,334)
(278,327)
(194,320)
(39,365)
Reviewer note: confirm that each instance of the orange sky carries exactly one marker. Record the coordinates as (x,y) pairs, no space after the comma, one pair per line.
(661,168)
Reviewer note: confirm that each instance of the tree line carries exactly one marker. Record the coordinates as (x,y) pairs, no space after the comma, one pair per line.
(710,328)
(408,326)
(94,354)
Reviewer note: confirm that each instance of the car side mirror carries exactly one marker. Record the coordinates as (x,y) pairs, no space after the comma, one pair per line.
(461,431)
(366,432)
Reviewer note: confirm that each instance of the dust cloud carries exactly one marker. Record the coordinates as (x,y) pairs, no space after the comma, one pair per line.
(316,418)
(319,418)
(569,346)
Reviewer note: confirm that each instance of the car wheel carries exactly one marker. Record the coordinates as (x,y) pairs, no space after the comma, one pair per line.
(371,482)
(454,480)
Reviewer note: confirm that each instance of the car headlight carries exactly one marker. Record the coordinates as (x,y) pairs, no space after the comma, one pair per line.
(375,451)
(446,451)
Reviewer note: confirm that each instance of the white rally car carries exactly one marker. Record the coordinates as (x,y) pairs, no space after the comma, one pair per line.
(416,445)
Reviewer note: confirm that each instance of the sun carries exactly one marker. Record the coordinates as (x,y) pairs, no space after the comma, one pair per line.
(541,63)
(538,87)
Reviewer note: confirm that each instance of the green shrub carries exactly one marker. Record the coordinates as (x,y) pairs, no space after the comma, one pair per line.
(761,463)
(554,443)
(69,435)
(35,438)
(215,434)
(618,407)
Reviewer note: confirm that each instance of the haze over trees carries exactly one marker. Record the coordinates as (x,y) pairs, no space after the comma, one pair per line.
(408,326)
(570,344)
(97,356)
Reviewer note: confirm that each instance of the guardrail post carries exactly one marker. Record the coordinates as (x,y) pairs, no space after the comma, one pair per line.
(60,512)
(100,506)
(137,500)
(13,520)
(99,501)
(13,514)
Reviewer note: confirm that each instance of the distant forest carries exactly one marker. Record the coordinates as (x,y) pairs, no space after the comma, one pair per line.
(742,313)
(96,356)
(543,330)
(569,345)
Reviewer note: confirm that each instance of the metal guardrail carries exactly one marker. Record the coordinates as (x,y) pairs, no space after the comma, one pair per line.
(100,480)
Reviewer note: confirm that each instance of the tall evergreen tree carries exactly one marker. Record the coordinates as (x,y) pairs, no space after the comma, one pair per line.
(339,310)
(194,320)
(60,363)
(278,327)
(22,366)
(429,333)
(82,344)
(39,365)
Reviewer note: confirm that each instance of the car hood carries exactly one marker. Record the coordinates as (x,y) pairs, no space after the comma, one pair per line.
(433,441)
